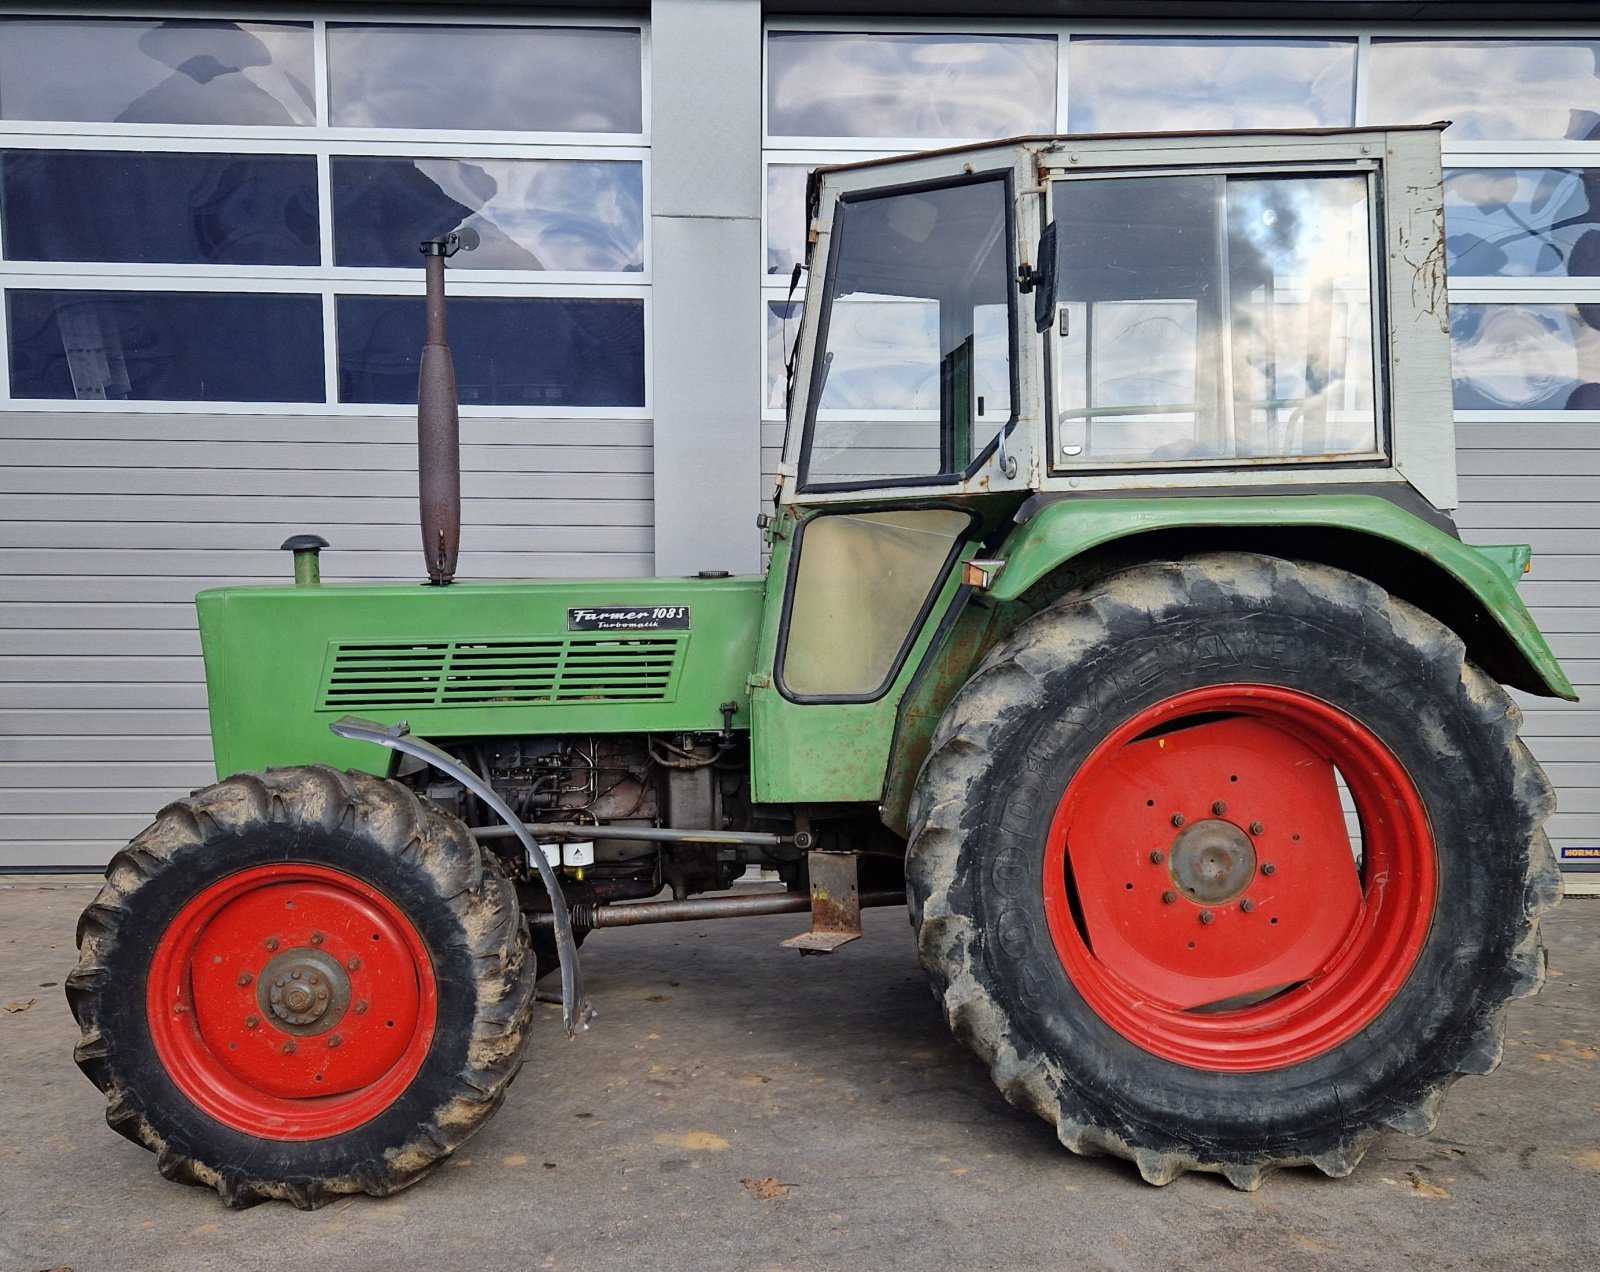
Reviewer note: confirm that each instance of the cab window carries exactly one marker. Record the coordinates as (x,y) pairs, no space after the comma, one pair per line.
(913,378)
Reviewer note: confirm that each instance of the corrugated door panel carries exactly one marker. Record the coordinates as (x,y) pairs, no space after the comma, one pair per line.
(112,522)
(1538,482)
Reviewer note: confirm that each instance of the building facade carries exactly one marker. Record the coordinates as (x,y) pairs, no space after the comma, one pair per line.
(211,313)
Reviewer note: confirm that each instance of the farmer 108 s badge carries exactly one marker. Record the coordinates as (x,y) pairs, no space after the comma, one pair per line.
(612,618)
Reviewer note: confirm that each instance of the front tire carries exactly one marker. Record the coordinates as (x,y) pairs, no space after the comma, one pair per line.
(301,984)
(1136,898)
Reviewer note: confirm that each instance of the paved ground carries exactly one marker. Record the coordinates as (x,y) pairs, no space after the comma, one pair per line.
(721,1059)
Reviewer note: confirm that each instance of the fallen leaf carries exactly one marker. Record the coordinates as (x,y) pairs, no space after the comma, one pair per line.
(1423,1188)
(22,1005)
(1591,1160)
(515,1159)
(767,1189)
(1545,1056)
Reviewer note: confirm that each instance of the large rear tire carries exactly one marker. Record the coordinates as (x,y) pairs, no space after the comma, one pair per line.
(1134,891)
(301,984)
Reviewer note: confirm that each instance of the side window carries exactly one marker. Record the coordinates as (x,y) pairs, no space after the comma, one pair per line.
(862,581)
(913,375)
(1214,317)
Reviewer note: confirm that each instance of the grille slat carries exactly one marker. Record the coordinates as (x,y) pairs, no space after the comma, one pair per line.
(490,673)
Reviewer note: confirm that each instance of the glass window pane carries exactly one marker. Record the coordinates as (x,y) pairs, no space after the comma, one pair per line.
(863,579)
(184,209)
(913,382)
(783,325)
(142,71)
(1526,357)
(165,346)
(786,216)
(1208,317)
(1165,85)
(824,84)
(512,79)
(529,213)
(1523,222)
(508,352)
(1543,89)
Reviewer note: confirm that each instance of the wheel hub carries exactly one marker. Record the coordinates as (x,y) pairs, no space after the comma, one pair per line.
(304,991)
(1212,862)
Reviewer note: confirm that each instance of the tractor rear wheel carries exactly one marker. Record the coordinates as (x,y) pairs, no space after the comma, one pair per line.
(1137,897)
(301,984)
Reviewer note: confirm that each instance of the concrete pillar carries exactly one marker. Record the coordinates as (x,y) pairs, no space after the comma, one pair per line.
(705,218)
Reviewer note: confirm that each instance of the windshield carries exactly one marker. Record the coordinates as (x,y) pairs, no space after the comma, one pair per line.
(913,378)
(1213,317)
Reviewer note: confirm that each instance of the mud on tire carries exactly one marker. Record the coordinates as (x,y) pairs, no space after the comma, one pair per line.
(1040,713)
(214,1086)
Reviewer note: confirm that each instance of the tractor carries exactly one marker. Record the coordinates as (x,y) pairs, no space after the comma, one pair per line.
(1114,622)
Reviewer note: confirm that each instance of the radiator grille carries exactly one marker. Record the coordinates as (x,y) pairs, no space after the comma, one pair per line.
(487,673)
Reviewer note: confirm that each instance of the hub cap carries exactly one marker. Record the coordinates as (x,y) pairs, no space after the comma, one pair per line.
(1204,893)
(292,1002)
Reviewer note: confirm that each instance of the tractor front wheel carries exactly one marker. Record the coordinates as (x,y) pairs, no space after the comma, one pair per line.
(1226,864)
(301,984)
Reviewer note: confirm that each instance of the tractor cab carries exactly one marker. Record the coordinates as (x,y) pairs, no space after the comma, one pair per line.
(1113,313)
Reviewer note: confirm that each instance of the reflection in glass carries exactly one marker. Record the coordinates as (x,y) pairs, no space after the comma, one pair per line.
(825,84)
(1120,84)
(165,346)
(1526,357)
(535,351)
(915,374)
(783,325)
(1212,317)
(140,71)
(171,208)
(786,216)
(529,213)
(1542,89)
(1523,222)
(511,79)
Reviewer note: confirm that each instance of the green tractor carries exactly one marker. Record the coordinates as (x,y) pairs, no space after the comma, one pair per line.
(1114,623)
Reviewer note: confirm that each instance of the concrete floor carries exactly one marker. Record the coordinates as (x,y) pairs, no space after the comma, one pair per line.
(720,1059)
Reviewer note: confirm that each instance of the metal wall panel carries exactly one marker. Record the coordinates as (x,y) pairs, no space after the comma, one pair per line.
(1539,483)
(112,522)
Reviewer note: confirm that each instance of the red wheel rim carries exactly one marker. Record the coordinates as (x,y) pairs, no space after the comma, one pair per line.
(1204,895)
(292,1002)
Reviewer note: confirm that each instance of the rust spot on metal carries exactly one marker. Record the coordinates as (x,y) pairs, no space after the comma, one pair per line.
(835,904)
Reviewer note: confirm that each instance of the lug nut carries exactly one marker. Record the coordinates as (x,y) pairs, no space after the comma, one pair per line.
(316,938)
(245,978)
(1178,819)
(1157,857)
(1207,917)
(1256,828)
(354,965)
(361,1008)
(250,1022)
(272,942)
(1219,808)
(1269,868)
(289,1048)
(1247,905)
(1167,898)
(335,1041)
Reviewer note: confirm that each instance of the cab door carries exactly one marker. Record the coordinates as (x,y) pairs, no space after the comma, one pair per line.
(905,428)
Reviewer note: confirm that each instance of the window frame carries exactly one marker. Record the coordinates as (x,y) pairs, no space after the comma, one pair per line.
(1006,178)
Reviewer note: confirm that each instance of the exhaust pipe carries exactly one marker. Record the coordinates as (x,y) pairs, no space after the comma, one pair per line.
(438,422)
